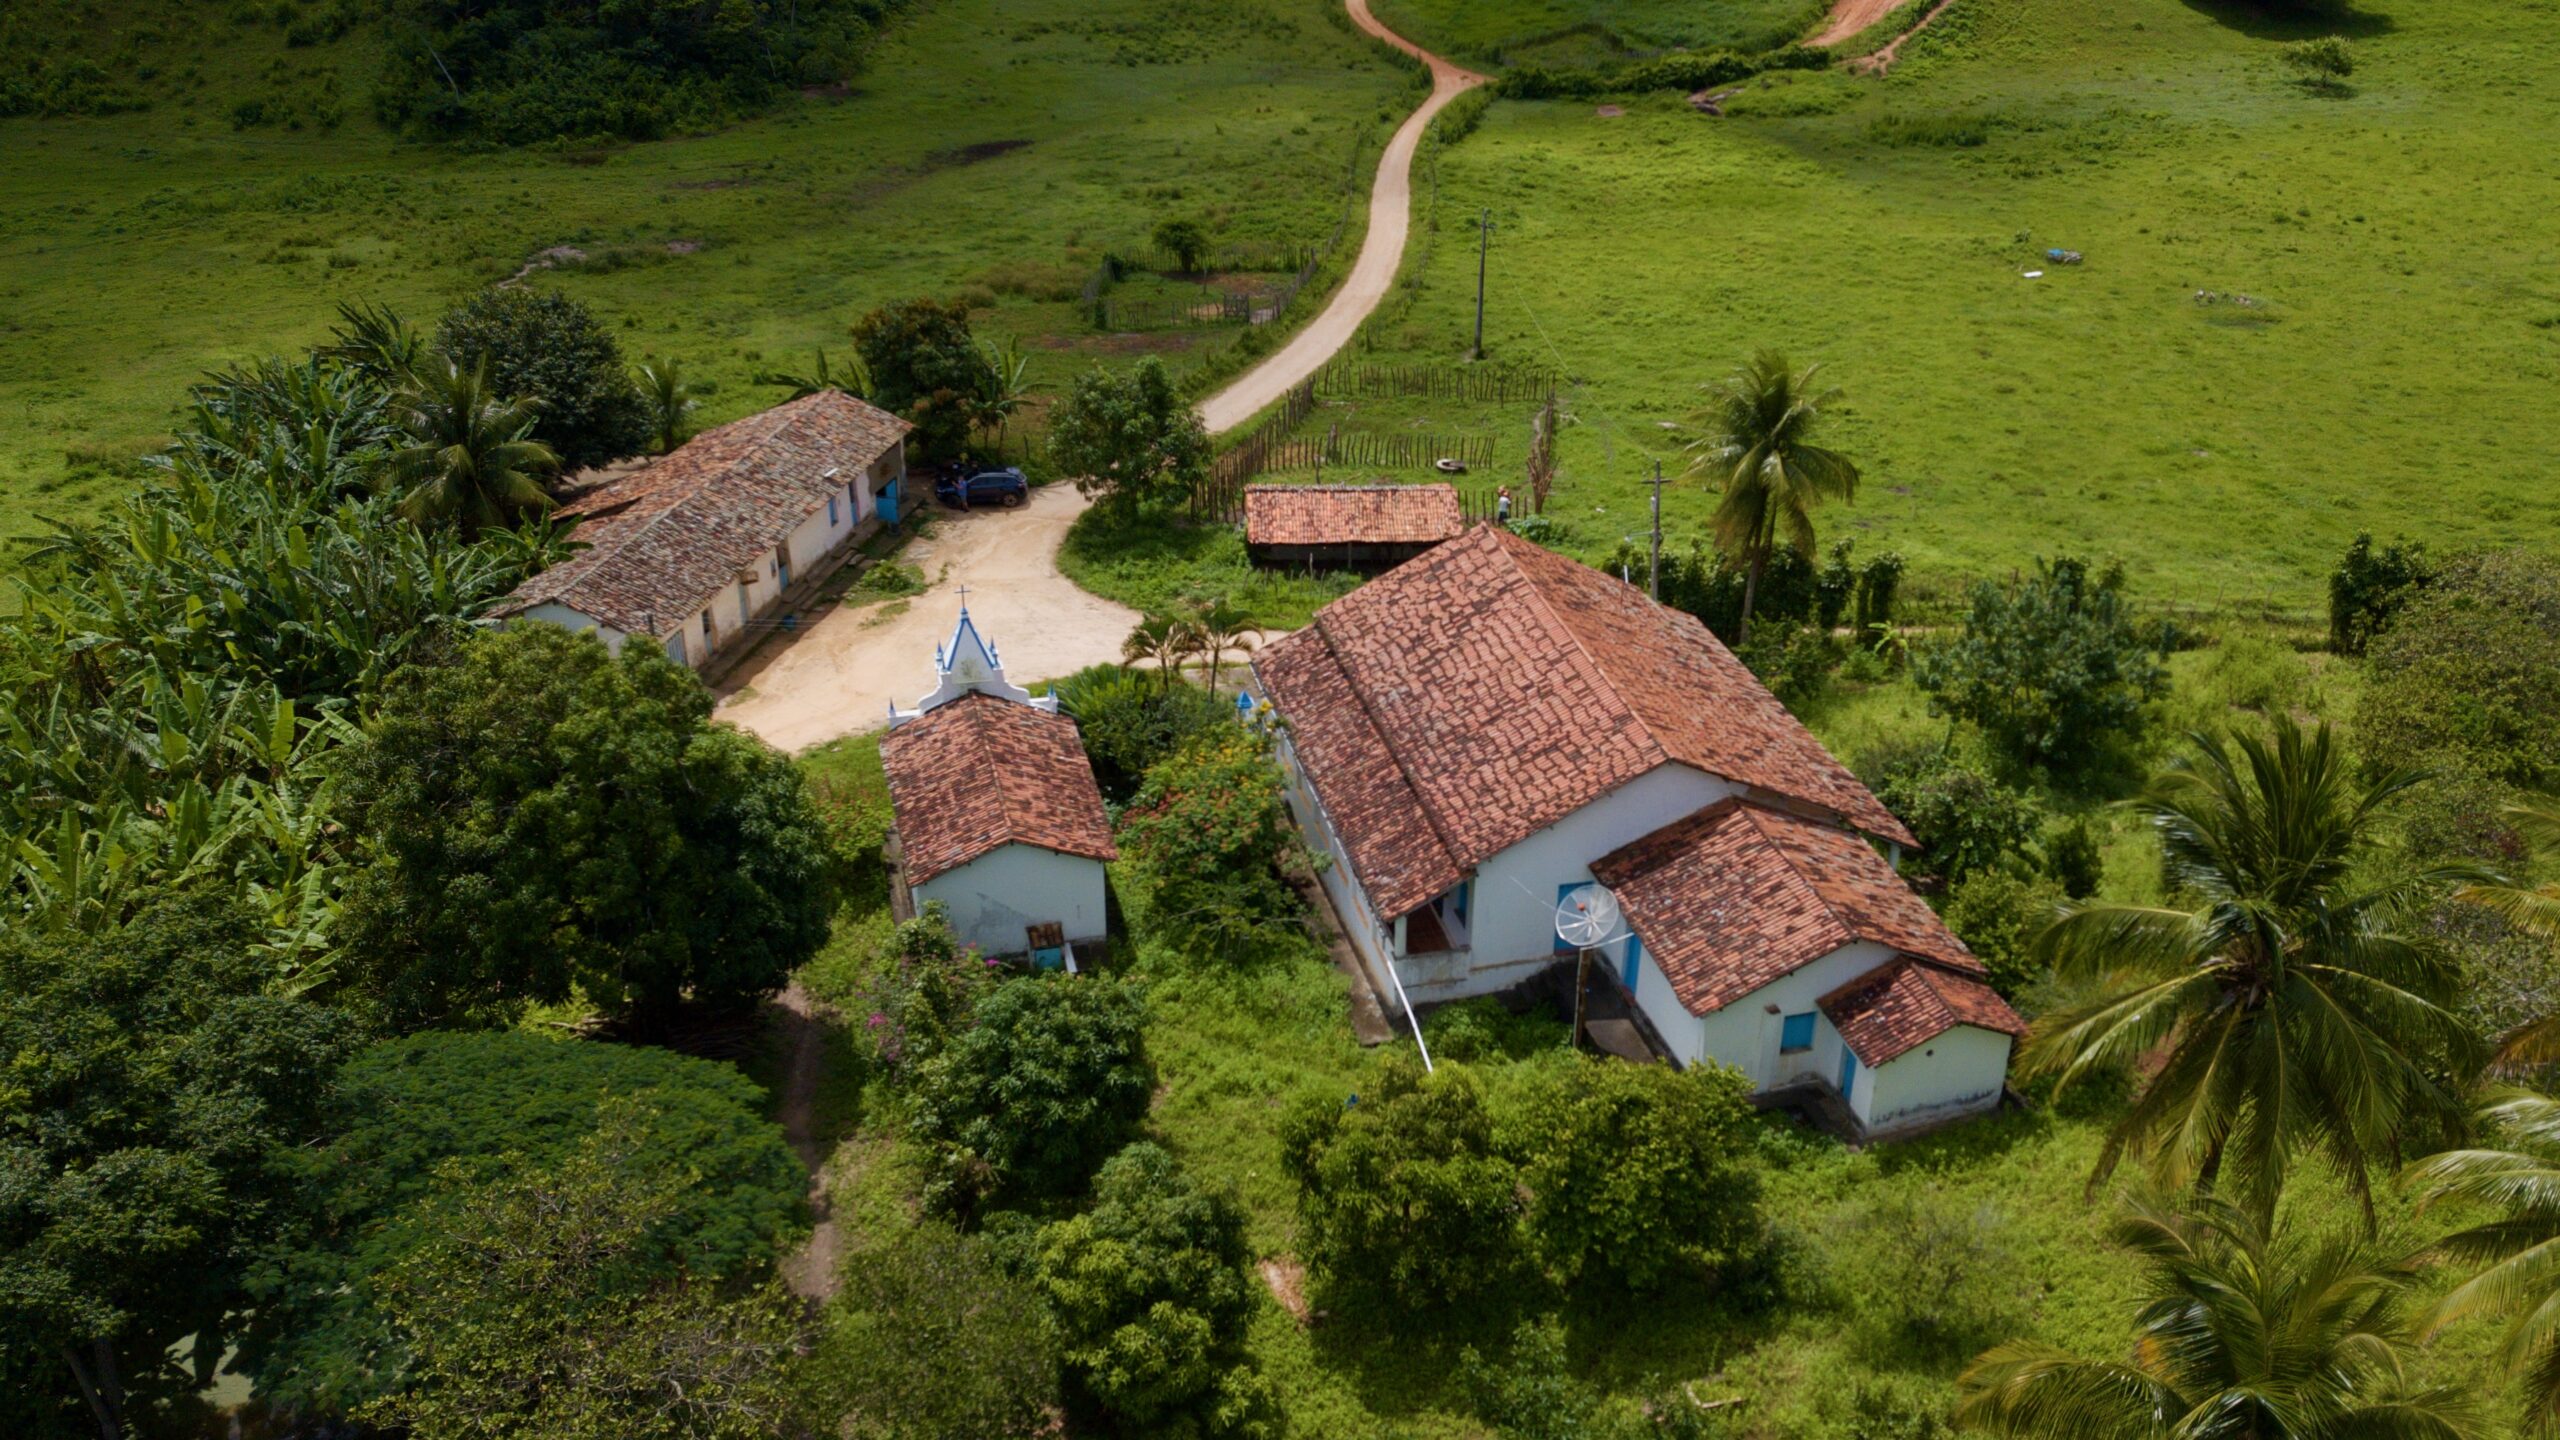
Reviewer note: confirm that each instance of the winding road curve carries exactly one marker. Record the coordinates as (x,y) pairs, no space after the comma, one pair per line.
(1381,251)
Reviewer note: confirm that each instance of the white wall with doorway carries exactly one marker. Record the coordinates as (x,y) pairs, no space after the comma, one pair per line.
(994,899)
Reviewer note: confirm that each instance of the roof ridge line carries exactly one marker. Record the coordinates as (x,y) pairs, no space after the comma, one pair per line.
(764,438)
(1386,738)
(1547,612)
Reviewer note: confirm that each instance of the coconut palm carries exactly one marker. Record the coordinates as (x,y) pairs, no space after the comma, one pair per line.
(466,458)
(2535,910)
(2519,1251)
(374,339)
(2291,1007)
(2238,1338)
(1005,386)
(1164,641)
(854,379)
(1756,445)
(669,397)
(1223,627)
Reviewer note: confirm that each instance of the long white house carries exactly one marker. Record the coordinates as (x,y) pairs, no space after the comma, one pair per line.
(694,549)
(1488,727)
(998,816)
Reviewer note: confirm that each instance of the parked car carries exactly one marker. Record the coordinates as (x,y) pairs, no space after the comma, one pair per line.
(968,489)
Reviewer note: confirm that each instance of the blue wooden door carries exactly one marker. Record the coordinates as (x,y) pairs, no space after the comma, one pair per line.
(889,502)
(1635,960)
(1848,1069)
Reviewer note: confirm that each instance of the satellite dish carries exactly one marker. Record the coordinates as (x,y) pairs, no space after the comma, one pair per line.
(1587,917)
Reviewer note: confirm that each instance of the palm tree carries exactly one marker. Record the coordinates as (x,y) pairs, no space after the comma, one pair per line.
(377,341)
(2290,1007)
(2535,910)
(467,459)
(1756,446)
(1223,627)
(1165,641)
(670,400)
(2238,1338)
(2519,1251)
(854,379)
(1005,387)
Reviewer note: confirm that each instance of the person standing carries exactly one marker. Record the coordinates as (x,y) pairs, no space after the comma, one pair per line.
(1502,508)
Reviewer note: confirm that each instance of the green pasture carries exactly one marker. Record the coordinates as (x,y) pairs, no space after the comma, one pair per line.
(2299,315)
(991,150)
(1565,33)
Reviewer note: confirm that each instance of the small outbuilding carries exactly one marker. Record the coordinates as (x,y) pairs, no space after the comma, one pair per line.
(997,814)
(1360,528)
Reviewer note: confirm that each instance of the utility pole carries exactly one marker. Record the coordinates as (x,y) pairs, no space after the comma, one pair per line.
(1653,572)
(1484,241)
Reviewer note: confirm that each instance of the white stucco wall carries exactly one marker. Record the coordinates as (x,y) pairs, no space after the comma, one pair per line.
(1958,1073)
(996,897)
(554,613)
(1513,924)
(1368,933)
(1747,1035)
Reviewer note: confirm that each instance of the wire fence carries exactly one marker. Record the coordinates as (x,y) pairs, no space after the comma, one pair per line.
(1272,448)
(1496,384)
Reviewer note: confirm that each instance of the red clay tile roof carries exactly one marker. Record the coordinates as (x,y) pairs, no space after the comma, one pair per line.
(664,541)
(1888,1013)
(1501,687)
(1737,895)
(1351,514)
(981,773)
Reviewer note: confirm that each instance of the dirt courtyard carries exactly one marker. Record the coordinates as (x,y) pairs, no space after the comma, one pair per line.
(839,677)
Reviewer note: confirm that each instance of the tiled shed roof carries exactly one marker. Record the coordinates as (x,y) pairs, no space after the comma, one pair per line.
(1888,1013)
(980,773)
(1498,687)
(1351,514)
(1737,895)
(662,542)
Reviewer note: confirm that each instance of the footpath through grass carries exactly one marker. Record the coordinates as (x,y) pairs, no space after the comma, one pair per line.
(991,150)
(2299,315)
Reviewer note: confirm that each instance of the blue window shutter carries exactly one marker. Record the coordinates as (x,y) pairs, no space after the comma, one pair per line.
(1635,959)
(1562,891)
(1797,1033)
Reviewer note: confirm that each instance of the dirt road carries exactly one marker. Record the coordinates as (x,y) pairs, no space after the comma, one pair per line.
(1848,17)
(840,675)
(810,1271)
(1390,217)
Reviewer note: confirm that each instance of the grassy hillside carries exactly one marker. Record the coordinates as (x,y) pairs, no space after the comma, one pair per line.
(991,149)
(1581,32)
(2390,366)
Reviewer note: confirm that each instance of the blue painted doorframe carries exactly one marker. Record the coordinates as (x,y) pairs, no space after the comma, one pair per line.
(1848,1069)
(889,502)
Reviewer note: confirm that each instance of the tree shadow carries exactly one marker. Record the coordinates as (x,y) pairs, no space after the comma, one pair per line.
(2299,20)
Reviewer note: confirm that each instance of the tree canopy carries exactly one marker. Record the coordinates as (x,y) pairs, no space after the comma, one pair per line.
(2048,667)
(924,364)
(1028,1102)
(1756,445)
(1129,439)
(542,345)
(535,813)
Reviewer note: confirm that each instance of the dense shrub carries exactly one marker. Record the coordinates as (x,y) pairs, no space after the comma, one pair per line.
(1997,914)
(931,1338)
(1963,817)
(2368,587)
(2049,667)
(925,365)
(1481,1029)
(1149,1297)
(2463,678)
(1132,722)
(1051,1080)
(537,815)
(541,343)
(1794,661)
(2073,859)
(1400,1187)
(551,1302)
(2320,61)
(1211,827)
(413,1119)
(1531,1391)
(1634,1173)
(925,991)
(1703,582)
(524,71)
(1680,70)
(1932,1273)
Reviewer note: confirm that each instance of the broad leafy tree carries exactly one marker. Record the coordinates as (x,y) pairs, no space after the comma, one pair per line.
(925,365)
(1129,439)
(2292,1006)
(542,345)
(1756,445)
(2240,1337)
(2534,910)
(1183,240)
(1210,826)
(466,456)
(1149,1296)
(2050,666)
(551,1302)
(933,1337)
(409,1119)
(154,1088)
(1051,1081)
(1634,1172)
(2462,675)
(535,814)
(1400,1187)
